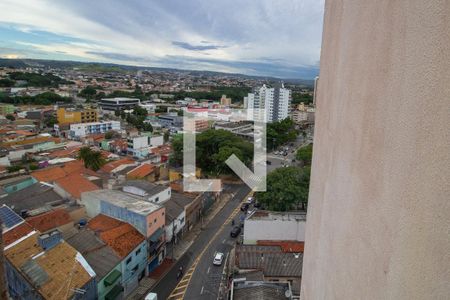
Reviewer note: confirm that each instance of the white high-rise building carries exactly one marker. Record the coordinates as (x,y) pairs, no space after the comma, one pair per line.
(274,101)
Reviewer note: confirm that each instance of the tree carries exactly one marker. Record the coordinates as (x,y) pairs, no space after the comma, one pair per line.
(111,134)
(287,189)
(166,136)
(50,121)
(10,117)
(147,127)
(92,159)
(304,154)
(88,92)
(281,132)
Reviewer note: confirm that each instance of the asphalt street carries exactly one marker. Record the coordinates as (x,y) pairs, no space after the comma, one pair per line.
(168,283)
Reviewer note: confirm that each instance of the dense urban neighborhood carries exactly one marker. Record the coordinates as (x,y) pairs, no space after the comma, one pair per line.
(93,203)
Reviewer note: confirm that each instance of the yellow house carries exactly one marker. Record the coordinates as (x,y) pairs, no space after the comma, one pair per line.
(67,116)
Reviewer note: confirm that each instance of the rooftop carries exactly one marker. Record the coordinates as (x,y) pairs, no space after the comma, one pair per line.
(15,233)
(100,256)
(50,220)
(33,197)
(148,187)
(110,166)
(283,216)
(56,273)
(141,171)
(121,199)
(75,184)
(260,290)
(173,210)
(120,236)
(270,259)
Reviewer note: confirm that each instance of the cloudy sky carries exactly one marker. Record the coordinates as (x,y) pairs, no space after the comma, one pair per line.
(257,37)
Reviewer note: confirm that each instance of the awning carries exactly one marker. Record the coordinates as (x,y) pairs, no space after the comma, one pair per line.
(114,292)
(155,237)
(112,277)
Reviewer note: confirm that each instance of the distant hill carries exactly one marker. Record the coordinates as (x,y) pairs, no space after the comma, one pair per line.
(108,67)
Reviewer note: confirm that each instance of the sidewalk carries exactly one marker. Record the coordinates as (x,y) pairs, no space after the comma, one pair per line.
(147,283)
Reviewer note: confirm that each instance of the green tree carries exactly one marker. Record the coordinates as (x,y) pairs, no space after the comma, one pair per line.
(166,136)
(92,159)
(304,154)
(50,121)
(281,132)
(88,92)
(147,127)
(287,189)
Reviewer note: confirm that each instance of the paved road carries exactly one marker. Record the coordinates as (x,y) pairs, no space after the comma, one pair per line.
(167,284)
(206,277)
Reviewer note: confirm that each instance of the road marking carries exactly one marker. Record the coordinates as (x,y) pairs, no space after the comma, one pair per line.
(196,261)
(201,292)
(207,272)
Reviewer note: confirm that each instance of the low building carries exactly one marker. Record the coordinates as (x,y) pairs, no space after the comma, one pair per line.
(145,171)
(275,264)
(118,104)
(145,216)
(55,219)
(242,289)
(155,193)
(103,260)
(127,243)
(69,116)
(79,130)
(284,226)
(42,266)
(15,184)
(171,120)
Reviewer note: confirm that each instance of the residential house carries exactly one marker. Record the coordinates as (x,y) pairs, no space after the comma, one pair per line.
(242,289)
(145,216)
(15,184)
(127,243)
(72,185)
(55,219)
(145,171)
(41,266)
(104,261)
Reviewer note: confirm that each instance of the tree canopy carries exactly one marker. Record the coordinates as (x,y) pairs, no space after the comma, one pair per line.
(304,154)
(45,98)
(213,147)
(281,132)
(92,159)
(287,189)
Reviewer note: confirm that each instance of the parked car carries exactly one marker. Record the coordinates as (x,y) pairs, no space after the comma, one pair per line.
(268,162)
(235,231)
(257,205)
(218,258)
(250,200)
(244,206)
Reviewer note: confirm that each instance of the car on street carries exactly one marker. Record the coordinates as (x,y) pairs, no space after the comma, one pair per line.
(235,231)
(244,206)
(268,162)
(250,200)
(218,258)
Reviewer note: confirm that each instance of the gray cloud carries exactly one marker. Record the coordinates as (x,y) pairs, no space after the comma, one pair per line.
(188,46)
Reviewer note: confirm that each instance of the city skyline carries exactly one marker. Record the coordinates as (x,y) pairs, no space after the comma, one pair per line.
(247,38)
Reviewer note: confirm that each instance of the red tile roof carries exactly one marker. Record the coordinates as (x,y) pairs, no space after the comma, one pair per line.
(16,233)
(120,236)
(141,171)
(49,174)
(75,184)
(286,246)
(109,167)
(54,173)
(70,152)
(50,220)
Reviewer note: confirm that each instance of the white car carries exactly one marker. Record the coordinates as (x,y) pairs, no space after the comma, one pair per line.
(218,258)
(250,200)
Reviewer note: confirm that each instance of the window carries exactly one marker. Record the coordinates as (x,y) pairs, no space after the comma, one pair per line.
(128,260)
(155,221)
(138,251)
(156,199)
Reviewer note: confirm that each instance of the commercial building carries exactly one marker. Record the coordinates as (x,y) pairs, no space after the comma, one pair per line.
(224,101)
(68,116)
(139,145)
(120,103)
(83,129)
(274,101)
(378,209)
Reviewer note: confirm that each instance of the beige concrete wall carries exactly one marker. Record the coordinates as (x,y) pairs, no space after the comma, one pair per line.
(379,210)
